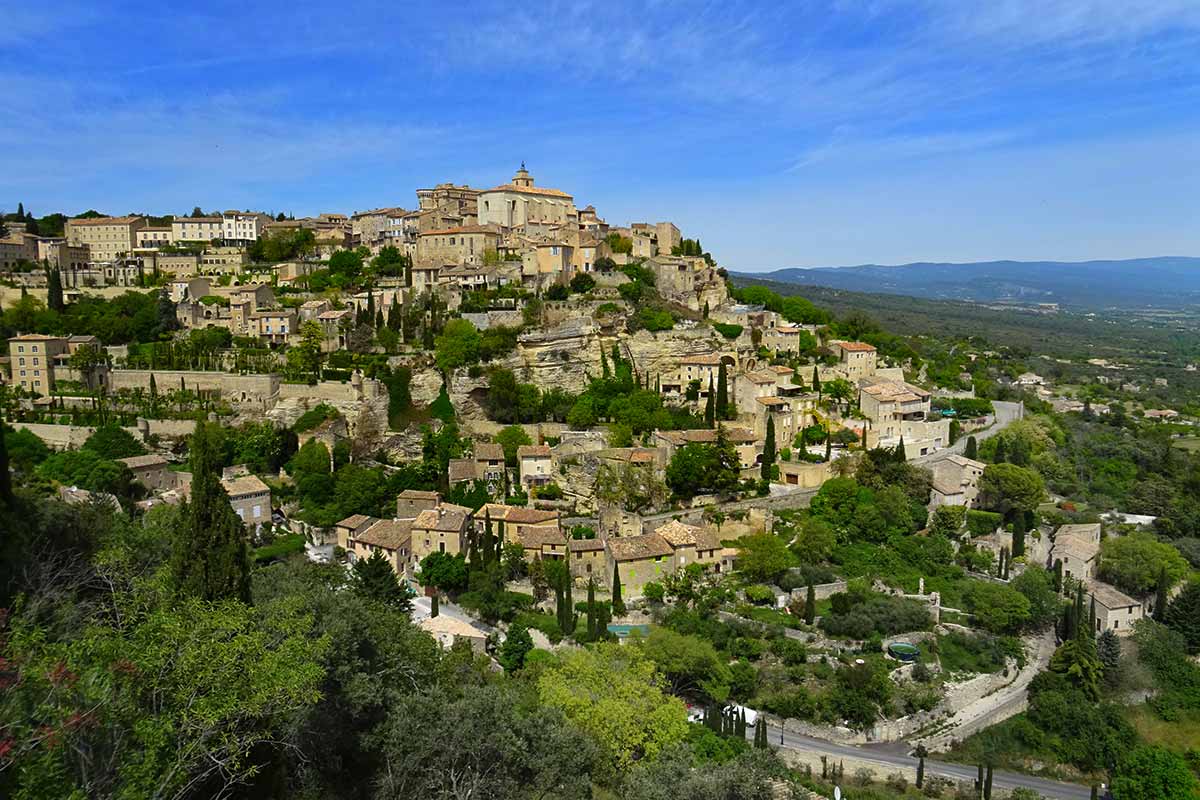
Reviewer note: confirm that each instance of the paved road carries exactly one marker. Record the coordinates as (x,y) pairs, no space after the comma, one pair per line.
(896,756)
(1006,414)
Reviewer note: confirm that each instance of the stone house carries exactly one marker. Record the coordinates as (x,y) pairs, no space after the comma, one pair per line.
(1078,547)
(691,544)
(639,560)
(1115,610)
(956,482)
(362,536)
(889,403)
(32,357)
(745,442)
(441,529)
(588,558)
(856,359)
(250,498)
(456,246)
(519,203)
(152,471)
(447,630)
(411,502)
(535,464)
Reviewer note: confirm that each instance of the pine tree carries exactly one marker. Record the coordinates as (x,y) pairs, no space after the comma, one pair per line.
(1108,650)
(1018,537)
(972,449)
(710,414)
(810,604)
(375,578)
(434,609)
(768,457)
(210,559)
(618,603)
(722,408)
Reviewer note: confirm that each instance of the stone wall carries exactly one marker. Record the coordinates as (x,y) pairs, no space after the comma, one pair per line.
(70,437)
(236,389)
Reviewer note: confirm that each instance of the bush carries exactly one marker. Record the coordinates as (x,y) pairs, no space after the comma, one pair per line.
(728,331)
(760,595)
(983,523)
(314,417)
(858,613)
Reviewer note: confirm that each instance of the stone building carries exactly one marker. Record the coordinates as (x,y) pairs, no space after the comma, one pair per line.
(519,203)
(107,238)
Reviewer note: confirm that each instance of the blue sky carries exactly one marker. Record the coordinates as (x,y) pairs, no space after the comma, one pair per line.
(782,134)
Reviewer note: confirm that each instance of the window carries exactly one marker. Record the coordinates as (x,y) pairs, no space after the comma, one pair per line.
(257,512)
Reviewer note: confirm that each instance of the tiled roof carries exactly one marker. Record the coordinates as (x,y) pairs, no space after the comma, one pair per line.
(246,484)
(708,436)
(137,462)
(446,517)
(489,451)
(635,548)
(1110,597)
(963,461)
(680,535)
(461,469)
(418,494)
(584,545)
(534,536)
(856,347)
(706,360)
(450,626)
(772,401)
(357,522)
(518,515)
(104,221)
(512,187)
(762,376)
(391,534)
(533,451)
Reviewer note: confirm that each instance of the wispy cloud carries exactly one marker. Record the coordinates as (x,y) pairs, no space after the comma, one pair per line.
(845,147)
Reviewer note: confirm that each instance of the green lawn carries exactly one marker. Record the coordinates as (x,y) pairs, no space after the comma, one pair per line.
(281,548)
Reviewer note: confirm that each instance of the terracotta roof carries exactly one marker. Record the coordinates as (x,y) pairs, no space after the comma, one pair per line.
(391,534)
(104,221)
(356,522)
(1110,597)
(535,536)
(34,337)
(246,484)
(707,360)
(895,391)
(946,487)
(418,494)
(708,436)
(772,401)
(447,517)
(512,187)
(1074,546)
(533,451)
(461,469)
(636,548)
(137,462)
(856,347)
(489,451)
(463,229)
(584,545)
(963,461)
(518,515)
(762,376)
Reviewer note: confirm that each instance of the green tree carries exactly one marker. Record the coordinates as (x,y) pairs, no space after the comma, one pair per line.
(710,413)
(375,578)
(457,346)
(443,571)
(615,695)
(54,290)
(1076,660)
(113,442)
(516,647)
(721,409)
(1018,536)
(511,438)
(998,608)
(763,557)
(698,468)
(1010,489)
(1133,563)
(308,351)
(814,541)
(810,604)
(209,557)
(618,602)
(768,456)
(1183,615)
(1153,773)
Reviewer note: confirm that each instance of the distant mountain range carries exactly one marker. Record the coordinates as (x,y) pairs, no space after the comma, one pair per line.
(1167,282)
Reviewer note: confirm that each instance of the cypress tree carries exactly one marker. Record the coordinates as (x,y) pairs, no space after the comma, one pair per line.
(972,449)
(1000,565)
(434,610)
(1000,455)
(1160,598)
(603,363)
(6,492)
(920,753)
(722,409)
(499,540)
(618,603)
(1058,575)
(210,558)
(828,447)
(898,454)
(591,613)
(569,610)
(768,458)
(395,315)
(709,408)
(816,383)
(487,545)
(54,290)
(987,784)
(740,731)
(1018,537)
(810,604)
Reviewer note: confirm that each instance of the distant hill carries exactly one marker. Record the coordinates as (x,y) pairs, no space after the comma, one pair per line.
(1168,282)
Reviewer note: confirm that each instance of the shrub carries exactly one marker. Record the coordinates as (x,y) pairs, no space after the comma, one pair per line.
(858,614)
(760,595)
(982,523)
(728,331)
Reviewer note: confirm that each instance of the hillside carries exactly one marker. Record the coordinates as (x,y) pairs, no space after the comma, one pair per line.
(1168,282)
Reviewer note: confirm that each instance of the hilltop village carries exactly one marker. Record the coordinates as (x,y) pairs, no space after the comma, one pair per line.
(483,409)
